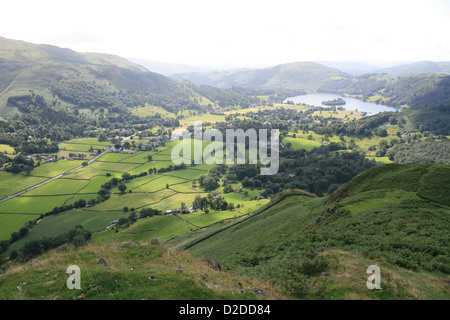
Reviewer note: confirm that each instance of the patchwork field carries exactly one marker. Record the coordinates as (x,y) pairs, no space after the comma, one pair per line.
(162,191)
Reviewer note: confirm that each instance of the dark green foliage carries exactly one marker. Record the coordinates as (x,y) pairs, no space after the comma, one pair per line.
(428,151)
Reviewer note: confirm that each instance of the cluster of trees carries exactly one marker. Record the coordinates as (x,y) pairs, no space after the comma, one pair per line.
(20,164)
(427,151)
(320,171)
(213,201)
(78,236)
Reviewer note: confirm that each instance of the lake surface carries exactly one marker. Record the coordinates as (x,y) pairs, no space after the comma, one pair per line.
(315,99)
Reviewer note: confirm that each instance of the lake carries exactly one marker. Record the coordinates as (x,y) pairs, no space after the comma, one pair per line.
(315,99)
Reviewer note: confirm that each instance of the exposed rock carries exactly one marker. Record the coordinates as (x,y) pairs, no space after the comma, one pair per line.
(258,291)
(215,265)
(325,274)
(156,241)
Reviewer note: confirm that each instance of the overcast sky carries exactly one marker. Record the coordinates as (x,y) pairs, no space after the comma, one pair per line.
(237,32)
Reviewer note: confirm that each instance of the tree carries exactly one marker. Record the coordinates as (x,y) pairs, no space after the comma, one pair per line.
(122,188)
(23,231)
(13,255)
(78,241)
(32,249)
(210,183)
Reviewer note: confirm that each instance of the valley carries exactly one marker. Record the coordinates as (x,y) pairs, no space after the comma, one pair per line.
(87,168)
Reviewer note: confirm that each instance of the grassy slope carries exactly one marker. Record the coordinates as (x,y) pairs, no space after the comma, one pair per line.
(395,216)
(127,277)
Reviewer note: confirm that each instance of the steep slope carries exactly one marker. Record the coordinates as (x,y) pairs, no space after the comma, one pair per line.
(393,215)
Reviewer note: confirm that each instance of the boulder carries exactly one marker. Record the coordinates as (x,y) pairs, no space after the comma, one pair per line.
(215,265)
(157,242)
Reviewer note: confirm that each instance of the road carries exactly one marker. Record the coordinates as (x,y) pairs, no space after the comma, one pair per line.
(57,177)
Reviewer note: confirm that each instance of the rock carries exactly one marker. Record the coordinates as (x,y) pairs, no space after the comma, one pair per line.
(157,242)
(258,291)
(19,288)
(180,270)
(103,261)
(215,265)
(325,274)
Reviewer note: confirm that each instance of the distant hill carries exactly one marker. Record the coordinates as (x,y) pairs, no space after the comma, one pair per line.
(167,69)
(73,77)
(417,68)
(307,76)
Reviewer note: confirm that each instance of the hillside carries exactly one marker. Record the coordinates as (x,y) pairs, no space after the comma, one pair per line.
(417,68)
(81,80)
(296,246)
(134,271)
(307,76)
(393,215)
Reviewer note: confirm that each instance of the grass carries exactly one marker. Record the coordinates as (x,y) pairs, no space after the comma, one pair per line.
(212,118)
(178,275)
(135,200)
(32,205)
(4,148)
(187,174)
(301,143)
(59,187)
(114,157)
(162,227)
(89,141)
(54,169)
(149,111)
(65,221)
(154,184)
(13,183)
(12,223)
(81,147)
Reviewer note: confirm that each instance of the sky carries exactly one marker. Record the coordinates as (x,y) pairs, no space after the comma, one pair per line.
(237,33)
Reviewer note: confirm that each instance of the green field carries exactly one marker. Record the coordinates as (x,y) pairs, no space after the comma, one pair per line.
(114,157)
(6,149)
(89,141)
(81,147)
(149,111)
(59,187)
(12,223)
(300,143)
(34,204)
(54,169)
(63,222)
(162,227)
(12,183)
